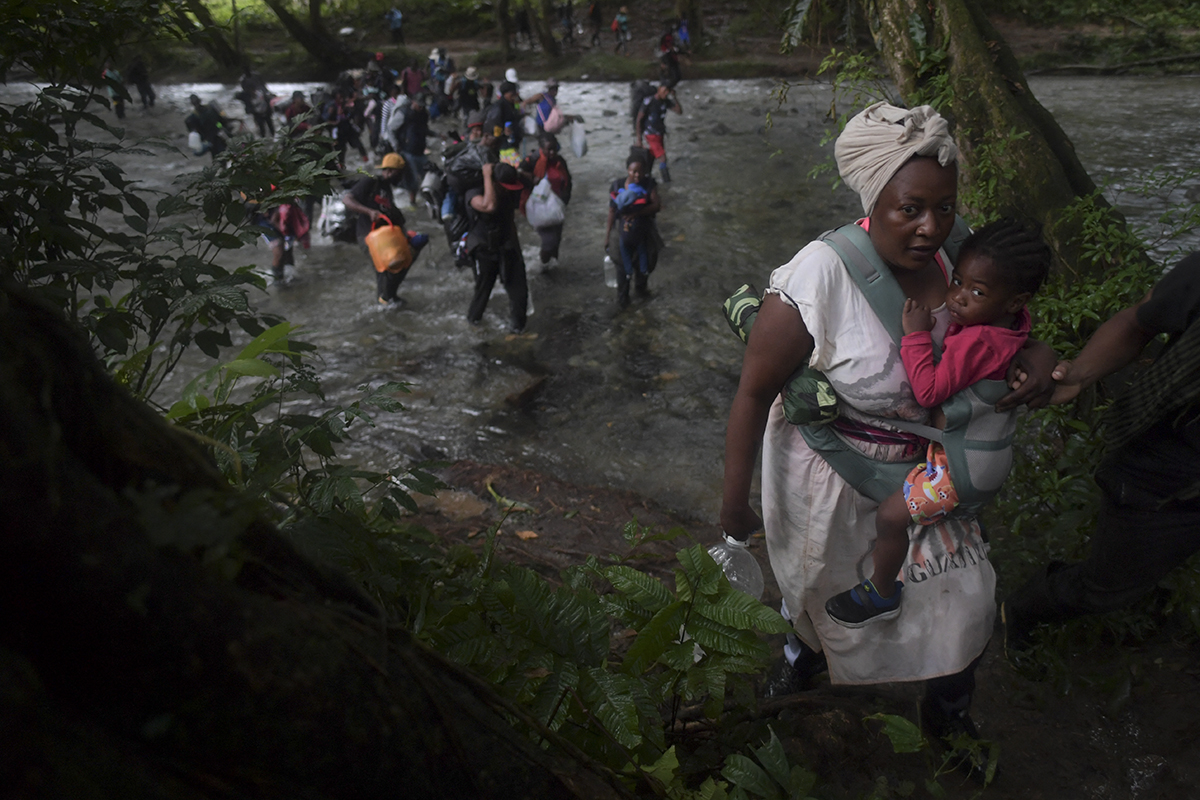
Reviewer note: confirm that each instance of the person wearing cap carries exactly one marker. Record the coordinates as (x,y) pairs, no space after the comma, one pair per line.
(493,245)
(651,125)
(503,117)
(468,92)
(371,198)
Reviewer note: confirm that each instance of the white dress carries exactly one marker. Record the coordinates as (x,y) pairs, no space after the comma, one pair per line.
(820,531)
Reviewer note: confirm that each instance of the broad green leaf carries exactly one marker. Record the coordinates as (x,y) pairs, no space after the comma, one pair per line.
(646,591)
(740,610)
(743,773)
(251,366)
(654,638)
(904,735)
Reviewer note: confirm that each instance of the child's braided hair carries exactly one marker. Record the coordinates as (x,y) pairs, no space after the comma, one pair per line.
(1017,250)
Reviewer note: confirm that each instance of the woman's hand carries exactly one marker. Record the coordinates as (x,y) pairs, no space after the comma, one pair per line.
(916,317)
(1030,376)
(741,521)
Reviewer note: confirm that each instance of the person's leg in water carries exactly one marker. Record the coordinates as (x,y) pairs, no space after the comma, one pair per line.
(517,288)
(657,146)
(643,269)
(551,237)
(878,598)
(487,267)
(629,252)
(387,283)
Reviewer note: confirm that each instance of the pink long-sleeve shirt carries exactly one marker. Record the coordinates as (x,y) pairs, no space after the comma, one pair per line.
(969,354)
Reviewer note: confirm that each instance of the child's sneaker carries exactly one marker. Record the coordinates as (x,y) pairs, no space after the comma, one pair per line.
(861,605)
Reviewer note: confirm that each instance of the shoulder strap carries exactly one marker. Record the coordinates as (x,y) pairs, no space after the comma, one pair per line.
(874,279)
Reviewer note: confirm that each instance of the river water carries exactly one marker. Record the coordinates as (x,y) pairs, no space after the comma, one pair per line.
(634,399)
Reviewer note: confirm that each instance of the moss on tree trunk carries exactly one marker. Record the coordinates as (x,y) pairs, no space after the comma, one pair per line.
(1015,157)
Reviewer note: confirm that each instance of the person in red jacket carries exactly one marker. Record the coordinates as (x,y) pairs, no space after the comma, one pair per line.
(548,163)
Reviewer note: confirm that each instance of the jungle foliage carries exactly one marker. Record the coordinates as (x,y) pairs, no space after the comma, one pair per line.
(139,273)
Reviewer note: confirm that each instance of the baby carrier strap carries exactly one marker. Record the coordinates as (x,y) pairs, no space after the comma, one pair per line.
(977,440)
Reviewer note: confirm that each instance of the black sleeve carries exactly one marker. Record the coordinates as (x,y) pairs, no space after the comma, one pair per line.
(1175,302)
(570,183)
(364,192)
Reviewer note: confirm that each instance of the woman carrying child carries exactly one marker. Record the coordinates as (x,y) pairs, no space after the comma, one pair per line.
(999,269)
(634,202)
(818,524)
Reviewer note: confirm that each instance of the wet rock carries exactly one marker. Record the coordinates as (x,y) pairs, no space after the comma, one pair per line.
(781,203)
(693,138)
(526,395)
(762,130)
(720,129)
(795,110)
(756,112)
(608,112)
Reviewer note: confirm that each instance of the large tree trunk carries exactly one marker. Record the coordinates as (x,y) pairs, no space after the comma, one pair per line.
(207,34)
(161,639)
(1036,176)
(332,54)
(543,26)
(504,28)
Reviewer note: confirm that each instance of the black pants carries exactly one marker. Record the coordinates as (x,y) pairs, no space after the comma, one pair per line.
(1132,547)
(386,283)
(551,237)
(508,265)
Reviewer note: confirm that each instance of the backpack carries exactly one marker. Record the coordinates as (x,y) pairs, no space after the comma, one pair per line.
(977,440)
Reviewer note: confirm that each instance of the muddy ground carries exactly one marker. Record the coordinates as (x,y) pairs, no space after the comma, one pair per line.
(1112,723)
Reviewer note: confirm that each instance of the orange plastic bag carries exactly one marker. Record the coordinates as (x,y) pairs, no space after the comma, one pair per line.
(389,247)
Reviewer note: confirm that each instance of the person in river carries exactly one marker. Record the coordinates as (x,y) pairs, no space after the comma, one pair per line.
(115,86)
(208,122)
(633,201)
(999,269)
(139,76)
(492,243)
(411,138)
(548,163)
(651,125)
(371,199)
(818,525)
(1149,520)
(544,102)
(256,97)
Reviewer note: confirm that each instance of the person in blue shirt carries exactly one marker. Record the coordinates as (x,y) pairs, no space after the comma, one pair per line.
(396,25)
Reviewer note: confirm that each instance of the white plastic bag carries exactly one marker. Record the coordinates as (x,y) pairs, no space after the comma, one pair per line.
(530,126)
(544,208)
(195,143)
(578,139)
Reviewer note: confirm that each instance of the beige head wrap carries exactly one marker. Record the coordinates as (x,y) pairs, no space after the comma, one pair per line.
(881,138)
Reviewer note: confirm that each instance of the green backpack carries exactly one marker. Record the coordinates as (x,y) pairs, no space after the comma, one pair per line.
(977,440)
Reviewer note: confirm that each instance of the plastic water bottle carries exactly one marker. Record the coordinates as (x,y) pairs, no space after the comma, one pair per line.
(610,272)
(740,567)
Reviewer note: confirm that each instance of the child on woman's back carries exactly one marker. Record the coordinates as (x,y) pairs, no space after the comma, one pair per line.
(1000,266)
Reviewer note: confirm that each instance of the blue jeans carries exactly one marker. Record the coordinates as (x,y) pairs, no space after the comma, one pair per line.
(635,253)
